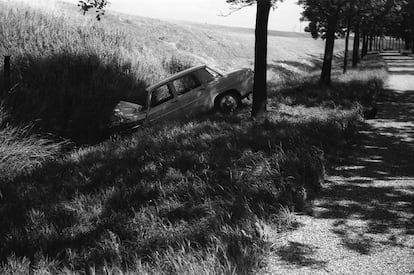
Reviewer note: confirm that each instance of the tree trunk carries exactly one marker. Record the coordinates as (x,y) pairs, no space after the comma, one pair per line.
(329,50)
(412,41)
(371,42)
(364,45)
(407,41)
(347,46)
(260,60)
(355,50)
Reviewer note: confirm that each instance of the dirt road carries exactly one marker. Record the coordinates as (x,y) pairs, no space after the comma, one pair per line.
(364,220)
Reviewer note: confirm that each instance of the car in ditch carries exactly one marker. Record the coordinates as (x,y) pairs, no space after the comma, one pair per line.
(193,91)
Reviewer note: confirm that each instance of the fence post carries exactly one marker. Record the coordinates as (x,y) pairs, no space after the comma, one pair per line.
(7,80)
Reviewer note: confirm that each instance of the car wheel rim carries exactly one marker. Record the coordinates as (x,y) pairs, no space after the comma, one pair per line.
(229,103)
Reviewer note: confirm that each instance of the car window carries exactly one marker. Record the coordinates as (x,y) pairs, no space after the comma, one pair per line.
(203,75)
(161,95)
(186,83)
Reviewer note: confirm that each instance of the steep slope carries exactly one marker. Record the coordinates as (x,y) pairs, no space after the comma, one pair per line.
(74,68)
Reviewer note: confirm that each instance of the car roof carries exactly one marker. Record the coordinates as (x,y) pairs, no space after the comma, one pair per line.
(175,76)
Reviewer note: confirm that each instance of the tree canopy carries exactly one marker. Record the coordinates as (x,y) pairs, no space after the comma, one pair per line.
(98,5)
(367,18)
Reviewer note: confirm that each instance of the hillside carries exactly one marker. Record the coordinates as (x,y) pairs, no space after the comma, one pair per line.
(117,58)
(230,29)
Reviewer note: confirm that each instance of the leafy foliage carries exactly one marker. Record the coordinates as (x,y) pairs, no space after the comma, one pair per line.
(98,5)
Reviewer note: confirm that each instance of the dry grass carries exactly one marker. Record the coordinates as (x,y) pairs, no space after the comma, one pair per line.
(21,151)
(75,69)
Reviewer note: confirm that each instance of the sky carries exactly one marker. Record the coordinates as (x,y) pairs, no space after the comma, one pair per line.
(285,17)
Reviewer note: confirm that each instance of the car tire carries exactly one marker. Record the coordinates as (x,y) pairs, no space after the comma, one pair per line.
(228,102)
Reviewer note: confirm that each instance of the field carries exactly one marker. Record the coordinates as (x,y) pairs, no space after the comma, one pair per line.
(195,196)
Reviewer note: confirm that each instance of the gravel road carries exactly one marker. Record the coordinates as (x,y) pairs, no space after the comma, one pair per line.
(364,220)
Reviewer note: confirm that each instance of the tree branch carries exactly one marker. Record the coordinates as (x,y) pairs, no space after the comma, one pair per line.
(236,9)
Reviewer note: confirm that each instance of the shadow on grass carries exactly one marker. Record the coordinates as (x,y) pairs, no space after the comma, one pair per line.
(308,66)
(301,86)
(299,254)
(196,182)
(70,95)
(293,72)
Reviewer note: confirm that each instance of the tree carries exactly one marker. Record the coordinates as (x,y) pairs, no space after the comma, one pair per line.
(98,5)
(402,22)
(368,20)
(260,56)
(349,14)
(324,16)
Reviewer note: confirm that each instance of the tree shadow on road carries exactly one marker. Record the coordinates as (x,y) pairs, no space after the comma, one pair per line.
(375,184)
(299,254)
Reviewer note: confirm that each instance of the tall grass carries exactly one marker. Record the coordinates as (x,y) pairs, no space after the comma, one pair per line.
(184,197)
(21,151)
(72,70)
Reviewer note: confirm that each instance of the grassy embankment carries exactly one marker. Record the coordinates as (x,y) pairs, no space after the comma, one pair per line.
(72,70)
(189,197)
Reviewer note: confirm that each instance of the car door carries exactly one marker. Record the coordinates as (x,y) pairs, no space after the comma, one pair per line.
(191,95)
(163,104)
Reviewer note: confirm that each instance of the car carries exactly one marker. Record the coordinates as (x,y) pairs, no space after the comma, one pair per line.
(193,91)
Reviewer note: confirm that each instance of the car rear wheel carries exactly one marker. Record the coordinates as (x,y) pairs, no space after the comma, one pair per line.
(228,102)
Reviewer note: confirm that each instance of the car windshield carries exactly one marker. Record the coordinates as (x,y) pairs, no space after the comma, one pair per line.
(214,73)
(206,75)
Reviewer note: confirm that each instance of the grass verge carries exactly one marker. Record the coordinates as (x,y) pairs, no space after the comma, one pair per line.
(199,187)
